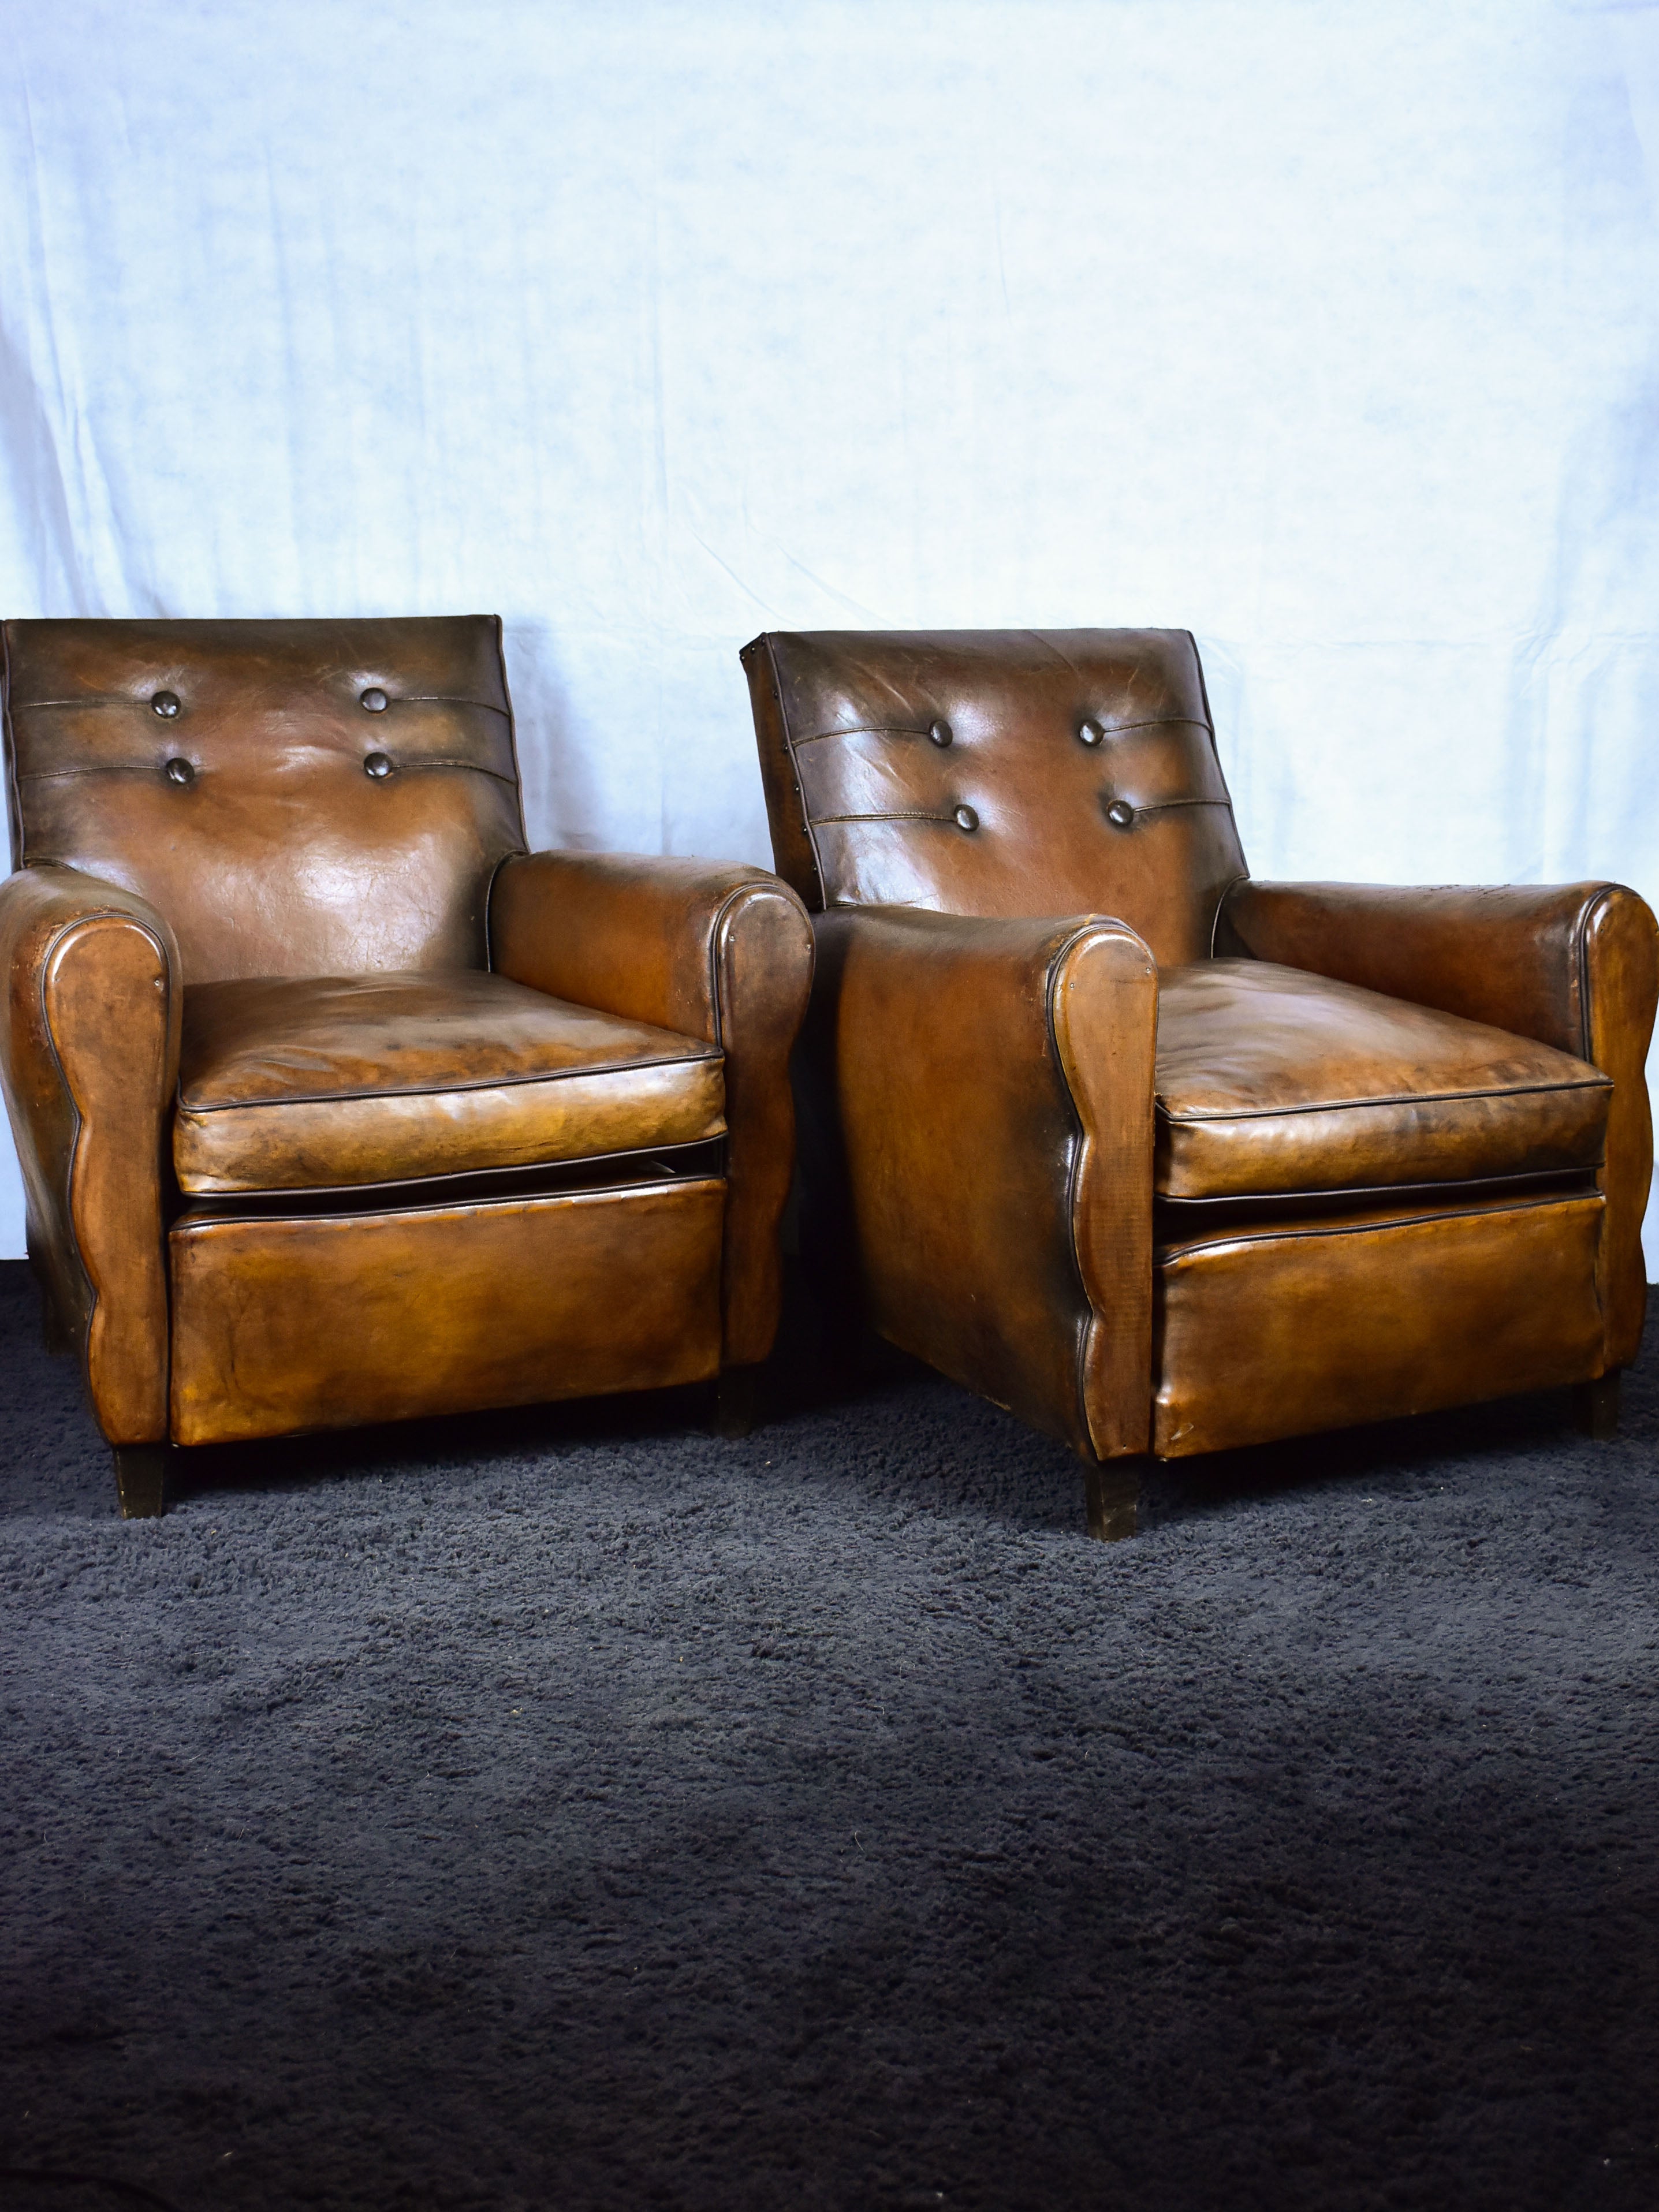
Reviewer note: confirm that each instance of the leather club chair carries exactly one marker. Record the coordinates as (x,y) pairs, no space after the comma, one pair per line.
(335,1105)
(1164,1159)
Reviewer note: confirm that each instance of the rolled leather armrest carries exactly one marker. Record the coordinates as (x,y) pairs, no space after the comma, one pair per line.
(1575,965)
(708,948)
(994,1086)
(90,1061)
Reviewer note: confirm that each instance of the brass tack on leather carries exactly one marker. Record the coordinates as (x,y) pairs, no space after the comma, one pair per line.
(965,818)
(372,701)
(179,771)
(165,704)
(941,732)
(1120,812)
(1091,732)
(377,765)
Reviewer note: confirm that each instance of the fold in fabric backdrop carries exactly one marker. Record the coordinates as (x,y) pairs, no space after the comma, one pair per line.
(1327,331)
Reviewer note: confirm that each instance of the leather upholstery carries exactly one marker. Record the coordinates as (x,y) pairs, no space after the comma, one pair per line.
(1012,814)
(1293,1326)
(1575,965)
(711,949)
(1394,1145)
(290,1084)
(441,1308)
(1273,1081)
(279,855)
(89,1057)
(294,1156)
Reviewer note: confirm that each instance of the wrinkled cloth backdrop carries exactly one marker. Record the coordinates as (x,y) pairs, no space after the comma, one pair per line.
(1327,331)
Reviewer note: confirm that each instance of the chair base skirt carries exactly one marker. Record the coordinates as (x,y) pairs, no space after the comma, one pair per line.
(1283,1330)
(289,1323)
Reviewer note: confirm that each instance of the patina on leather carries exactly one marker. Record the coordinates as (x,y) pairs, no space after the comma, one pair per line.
(281,838)
(1393,1145)
(302,1083)
(1272,1079)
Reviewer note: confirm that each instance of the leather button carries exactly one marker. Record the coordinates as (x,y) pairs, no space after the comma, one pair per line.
(377,765)
(941,732)
(165,704)
(1120,813)
(179,771)
(1091,732)
(965,818)
(372,701)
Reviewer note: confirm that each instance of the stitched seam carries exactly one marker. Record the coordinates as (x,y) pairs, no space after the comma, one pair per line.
(1282,1232)
(1581,961)
(524,1169)
(393,699)
(794,760)
(915,730)
(675,1189)
(1386,1098)
(1227,890)
(1086,1320)
(437,1090)
(80,920)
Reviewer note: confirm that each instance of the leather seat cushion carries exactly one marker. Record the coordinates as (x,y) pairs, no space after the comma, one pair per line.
(333,1082)
(1271,1080)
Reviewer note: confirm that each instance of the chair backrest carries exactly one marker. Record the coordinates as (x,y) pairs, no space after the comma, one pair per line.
(997,772)
(296,798)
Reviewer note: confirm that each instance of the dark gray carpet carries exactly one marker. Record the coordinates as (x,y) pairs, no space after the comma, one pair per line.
(574,1810)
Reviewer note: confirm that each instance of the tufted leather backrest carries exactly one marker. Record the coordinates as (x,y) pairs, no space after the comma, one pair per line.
(998,773)
(296,798)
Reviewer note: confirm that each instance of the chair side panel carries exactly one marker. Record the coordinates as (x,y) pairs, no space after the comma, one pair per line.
(232,774)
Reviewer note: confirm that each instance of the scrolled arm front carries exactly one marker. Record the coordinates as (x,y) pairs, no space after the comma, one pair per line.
(90,1061)
(1575,965)
(708,948)
(993,1087)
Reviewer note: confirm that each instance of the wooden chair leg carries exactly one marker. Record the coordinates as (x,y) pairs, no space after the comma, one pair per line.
(1595,1406)
(141,1479)
(737,1410)
(58,1339)
(1113,1489)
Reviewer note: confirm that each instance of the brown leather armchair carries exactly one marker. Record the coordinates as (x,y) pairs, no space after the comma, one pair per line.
(1164,1159)
(334,1104)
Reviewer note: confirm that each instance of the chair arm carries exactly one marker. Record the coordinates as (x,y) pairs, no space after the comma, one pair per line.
(1575,965)
(714,951)
(994,1085)
(89,1062)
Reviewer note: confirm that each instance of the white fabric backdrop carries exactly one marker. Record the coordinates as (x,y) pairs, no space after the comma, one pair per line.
(1328,331)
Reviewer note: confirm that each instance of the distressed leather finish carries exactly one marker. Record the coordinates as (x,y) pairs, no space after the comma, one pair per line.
(377,1316)
(1271,1080)
(402,1183)
(1312,1325)
(708,950)
(89,1056)
(1573,965)
(1402,1144)
(996,1088)
(278,853)
(1047,732)
(290,1084)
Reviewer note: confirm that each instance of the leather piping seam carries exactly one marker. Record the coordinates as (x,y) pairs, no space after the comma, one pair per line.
(1227,890)
(512,729)
(490,909)
(526,1169)
(80,920)
(150,768)
(1373,1190)
(1581,961)
(1198,1116)
(914,730)
(792,759)
(192,1226)
(1278,1232)
(393,699)
(1079,1145)
(722,914)
(194,1109)
(13,795)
